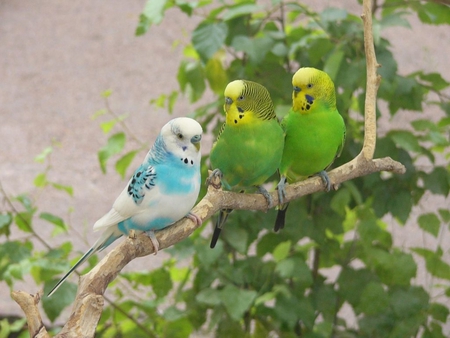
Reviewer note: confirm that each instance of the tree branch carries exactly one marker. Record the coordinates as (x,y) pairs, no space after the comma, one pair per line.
(372,84)
(28,303)
(89,301)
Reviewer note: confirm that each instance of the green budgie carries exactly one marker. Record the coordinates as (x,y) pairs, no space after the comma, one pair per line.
(249,147)
(315,132)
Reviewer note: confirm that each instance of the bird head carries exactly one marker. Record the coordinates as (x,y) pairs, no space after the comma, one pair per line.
(245,101)
(182,135)
(312,88)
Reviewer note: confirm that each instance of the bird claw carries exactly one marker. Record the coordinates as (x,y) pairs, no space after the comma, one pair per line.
(215,179)
(266,195)
(132,234)
(152,236)
(194,218)
(281,188)
(325,179)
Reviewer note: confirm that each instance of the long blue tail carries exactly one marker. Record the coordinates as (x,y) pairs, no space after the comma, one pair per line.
(109,236)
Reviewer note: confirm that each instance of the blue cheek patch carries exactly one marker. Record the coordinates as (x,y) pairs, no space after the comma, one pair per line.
(309,99)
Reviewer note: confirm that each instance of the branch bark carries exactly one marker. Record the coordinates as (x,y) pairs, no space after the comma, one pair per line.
(89,301)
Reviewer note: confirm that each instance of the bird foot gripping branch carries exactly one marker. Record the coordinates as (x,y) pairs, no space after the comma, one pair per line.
(214,179)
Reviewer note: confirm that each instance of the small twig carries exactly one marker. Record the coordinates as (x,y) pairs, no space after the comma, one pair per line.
(123,124)
(16,212)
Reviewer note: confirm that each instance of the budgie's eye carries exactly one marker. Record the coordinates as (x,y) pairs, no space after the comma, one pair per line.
(240,98)
(180,135)
(309,85)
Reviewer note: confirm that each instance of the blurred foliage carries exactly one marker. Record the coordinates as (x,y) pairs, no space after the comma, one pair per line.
(256,283)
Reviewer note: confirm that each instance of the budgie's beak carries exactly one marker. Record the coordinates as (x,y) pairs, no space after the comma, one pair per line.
(195,140)
(228,102)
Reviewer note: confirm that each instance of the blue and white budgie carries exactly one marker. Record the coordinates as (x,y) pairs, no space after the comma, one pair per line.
(162,190)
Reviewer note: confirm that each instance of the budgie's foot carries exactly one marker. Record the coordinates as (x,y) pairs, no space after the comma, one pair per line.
(266,195)
(215,179)
(132,234)
(326,180)
(194,218)
(281,188)
(151,235)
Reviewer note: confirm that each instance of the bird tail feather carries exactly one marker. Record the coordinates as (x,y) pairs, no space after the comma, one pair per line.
(223,215)
(107,237)
(281,217)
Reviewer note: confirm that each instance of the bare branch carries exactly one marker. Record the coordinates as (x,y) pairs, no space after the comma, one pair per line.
(372,84)
(28,303)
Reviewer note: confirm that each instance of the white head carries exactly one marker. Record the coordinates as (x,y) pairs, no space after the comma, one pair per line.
(182,136)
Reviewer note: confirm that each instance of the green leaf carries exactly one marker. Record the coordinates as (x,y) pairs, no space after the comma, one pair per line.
(340,201)
(237,301)
(331,14)
(180,328)
(107,93)
(24,221)
(124,162)
(430,223)
(209,296)
(401,205)
(406,140)
(43,155)
(208,38)
(295,267)
(171,100)
(66,188)
(352,283)
(267,243)
(64,297)
(160,281)
(333,64)
(437,181)
(445,215)
(434,264)
(5,224)
(240,10)
(439,312)
(108,125)
(40,180)
(115,144)
(434,80)
(54,220)
(433,13)
(256,48)
(374,300)
(216,75)
(191,79)
(394,20)
(98,113)
(281,251)
(409,302)
(237,238)
(152,15)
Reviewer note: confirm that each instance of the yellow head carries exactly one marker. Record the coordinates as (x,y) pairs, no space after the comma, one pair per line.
(312,88)
(246,101)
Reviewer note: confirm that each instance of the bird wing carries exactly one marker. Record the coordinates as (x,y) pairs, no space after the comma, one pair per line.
(130,199)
